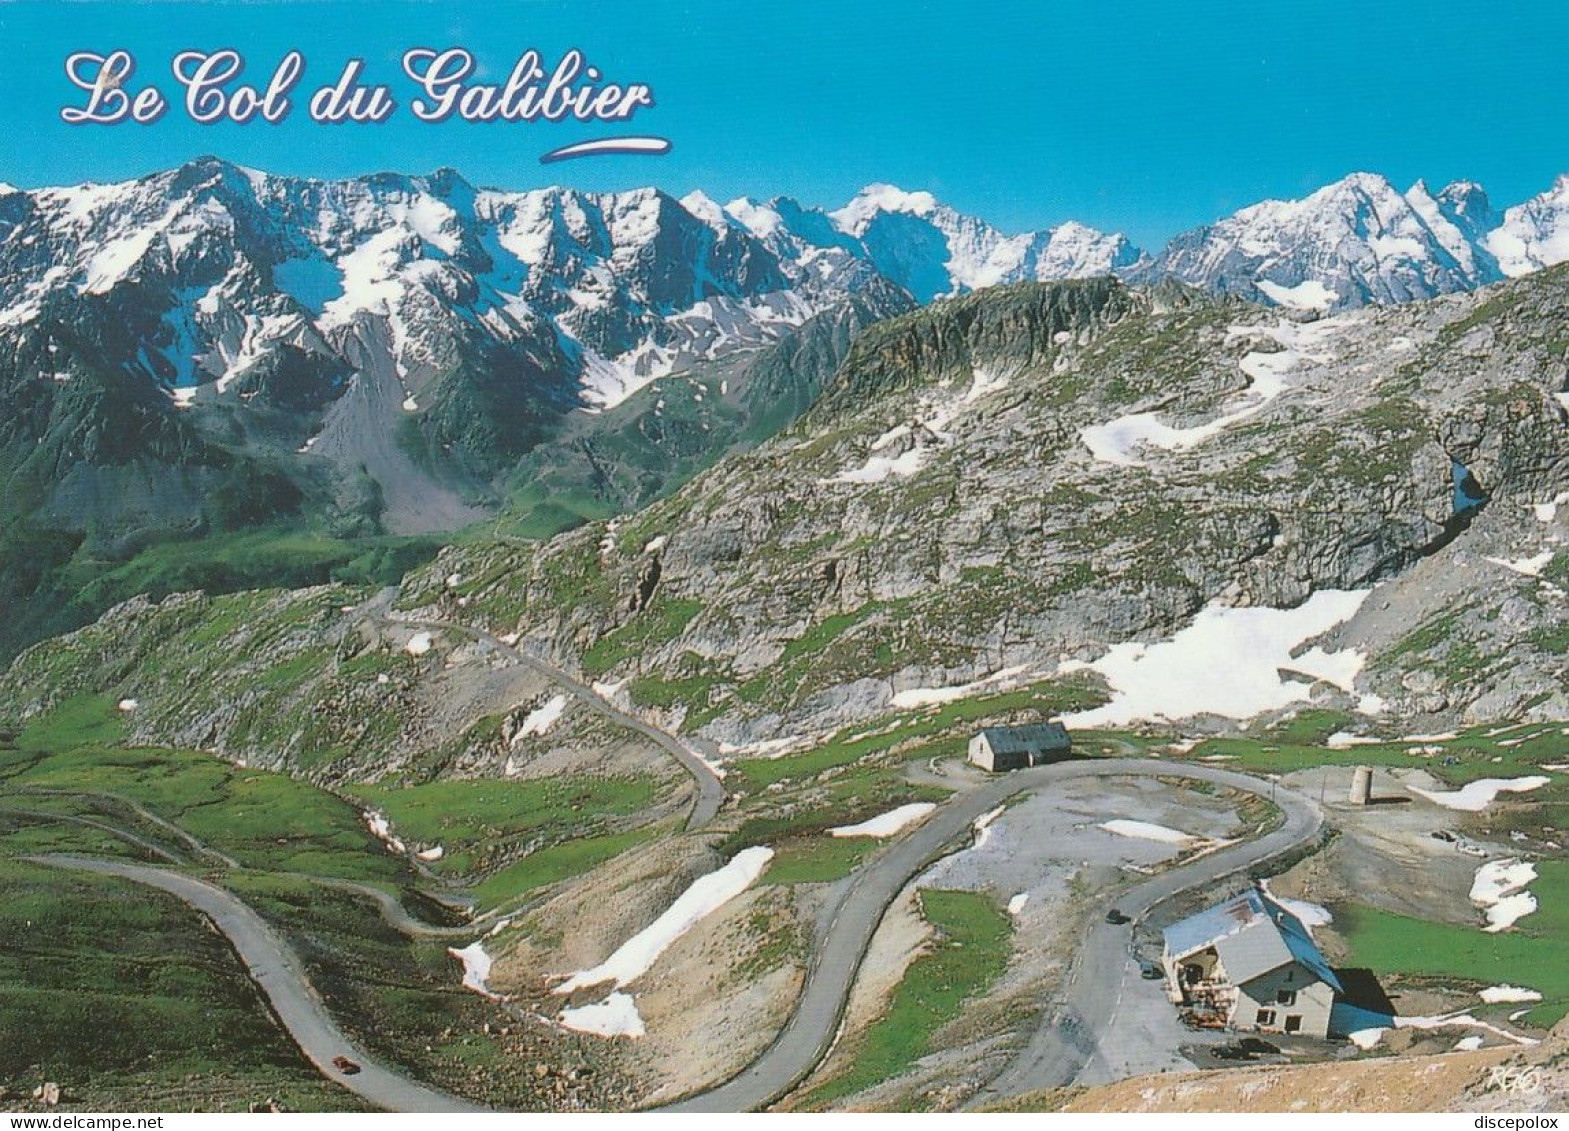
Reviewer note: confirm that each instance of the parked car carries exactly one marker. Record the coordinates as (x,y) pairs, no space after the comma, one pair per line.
(344,1065)
(1151,971)
(1115,916)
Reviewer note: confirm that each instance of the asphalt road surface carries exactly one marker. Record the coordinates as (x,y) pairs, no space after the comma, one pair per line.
(278,972)
(1071,1036)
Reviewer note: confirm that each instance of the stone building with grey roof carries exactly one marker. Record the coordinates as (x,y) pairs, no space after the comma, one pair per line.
(1249,964)
(1013,748)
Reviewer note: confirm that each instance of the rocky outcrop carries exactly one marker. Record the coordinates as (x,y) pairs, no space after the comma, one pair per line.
(1039,472)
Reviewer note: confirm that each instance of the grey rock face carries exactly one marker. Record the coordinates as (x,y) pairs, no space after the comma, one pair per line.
(1034,473)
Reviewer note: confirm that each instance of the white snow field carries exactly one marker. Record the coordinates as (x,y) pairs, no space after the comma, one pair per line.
(1475,796)
(1117,441)
(541,719)
(1499,887)
(419,644)
(616,1016)
(1508,995)
(1144,830)
(476,966)
(886,824)
(705,895)
(1227,662)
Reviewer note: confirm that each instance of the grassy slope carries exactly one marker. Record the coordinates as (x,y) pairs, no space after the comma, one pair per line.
(76,591)
(1531,954)
(130,1001)
(974,937)
(121,994)
(482,822)
(262,819)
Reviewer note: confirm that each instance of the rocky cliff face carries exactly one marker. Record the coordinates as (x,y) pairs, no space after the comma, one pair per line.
(1032,475)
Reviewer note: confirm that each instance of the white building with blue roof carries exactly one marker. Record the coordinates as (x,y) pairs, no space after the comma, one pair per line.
(1249,964)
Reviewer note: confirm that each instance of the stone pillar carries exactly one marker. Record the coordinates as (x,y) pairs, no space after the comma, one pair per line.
(1362,785)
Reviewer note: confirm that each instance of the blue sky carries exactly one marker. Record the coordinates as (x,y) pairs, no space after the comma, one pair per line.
(1136,116)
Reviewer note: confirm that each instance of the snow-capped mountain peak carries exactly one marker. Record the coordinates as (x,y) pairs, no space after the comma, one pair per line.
(932,250)
(855,217)
(706,209)
(1534,234)
(1355,241)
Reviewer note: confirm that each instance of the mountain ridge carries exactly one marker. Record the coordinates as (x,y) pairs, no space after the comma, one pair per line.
(407,355)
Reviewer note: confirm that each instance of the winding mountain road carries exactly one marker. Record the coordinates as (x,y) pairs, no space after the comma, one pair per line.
(41,817)
(1068,1037)
(1081,1030)
(710,790)
(278,972)
(398,918)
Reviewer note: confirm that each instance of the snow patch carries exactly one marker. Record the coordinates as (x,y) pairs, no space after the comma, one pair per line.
(983,827)
(1456,1021)
(1508,995)
(1367,1039)
(1016,904)
(879,468)
(606,382)
(1546,512)
(703,897)
(541,719)
(888,823)
(1345,740)
(1003,680)
(1311,295)
(476,967)
(1144,830)
(1227,662)
(771,748)
(419,644)
(1498,886)
(1529,567)
(616,1016)
(1116,441)
(430,855)
(127,705)
(1478,795)
(381,829)
(1310,915)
